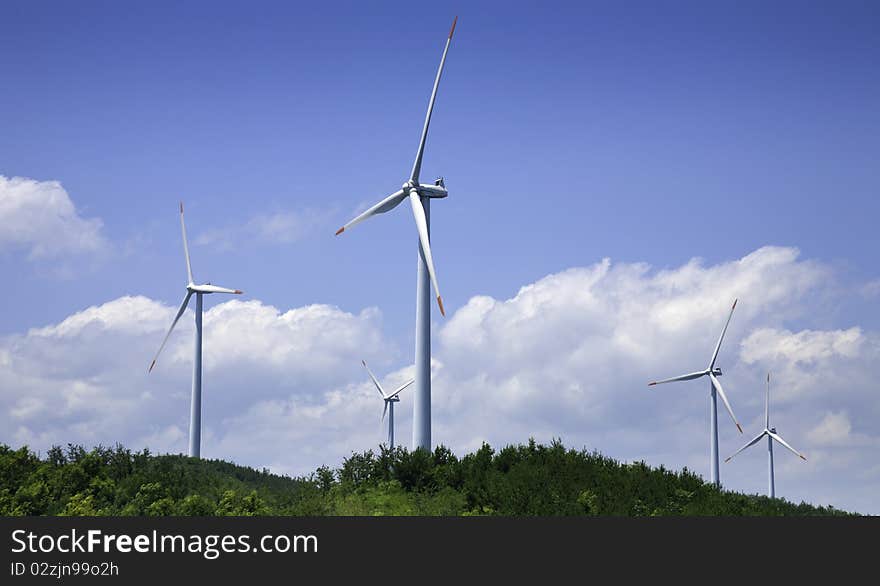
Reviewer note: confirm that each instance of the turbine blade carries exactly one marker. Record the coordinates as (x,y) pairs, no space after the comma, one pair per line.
(424,239)
(724,331)
(417,165)
(387,204)
(189,273)
(778,438)
(215,289)
(748,445)
(690,376)
(384,411)
(767,405)
(373,378)
(721,394)
(401,387)
(173,323)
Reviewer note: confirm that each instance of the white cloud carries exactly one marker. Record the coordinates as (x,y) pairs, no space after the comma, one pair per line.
(85,379)
(871,289)
(806,347)
(568,356)
(585,335)
(834,429)
(279,227)
(40,218)
(810,362)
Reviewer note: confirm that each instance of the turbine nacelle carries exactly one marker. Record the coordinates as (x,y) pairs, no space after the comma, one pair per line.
(437,191)
(716,371)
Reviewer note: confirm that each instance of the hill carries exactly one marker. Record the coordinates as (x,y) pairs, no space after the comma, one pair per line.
(529,479)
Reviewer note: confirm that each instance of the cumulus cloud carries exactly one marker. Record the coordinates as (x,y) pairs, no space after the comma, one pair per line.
(39,217)
(85,379)
(575,342)
(570,356)
(811,362)
(567,356)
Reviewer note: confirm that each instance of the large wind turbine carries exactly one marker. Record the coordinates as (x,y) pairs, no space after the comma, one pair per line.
(420,196)
(715,390)
(195,414)
(771,434)
(390,399)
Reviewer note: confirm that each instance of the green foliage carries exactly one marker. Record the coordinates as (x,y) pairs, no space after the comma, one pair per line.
(531,479)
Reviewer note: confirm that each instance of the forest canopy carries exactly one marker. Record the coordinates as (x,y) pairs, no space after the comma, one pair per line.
(530,479)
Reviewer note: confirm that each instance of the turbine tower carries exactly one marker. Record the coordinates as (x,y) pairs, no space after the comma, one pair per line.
(195,414)
(419,196)
(715,390)
(390,400)
(771,434)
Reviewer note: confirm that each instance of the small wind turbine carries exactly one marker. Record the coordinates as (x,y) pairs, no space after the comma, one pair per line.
(713,372)
(390,400)
(195,417)
(771,434)
(419,196)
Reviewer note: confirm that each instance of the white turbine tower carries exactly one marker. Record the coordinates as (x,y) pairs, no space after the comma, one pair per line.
(419,196)
(390,399)
(195,418)
(771,434)
(715,390)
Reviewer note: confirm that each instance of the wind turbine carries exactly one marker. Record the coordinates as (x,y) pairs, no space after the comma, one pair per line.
(419,196)
(771,434)
(390,399)
(195,414)
(715,390)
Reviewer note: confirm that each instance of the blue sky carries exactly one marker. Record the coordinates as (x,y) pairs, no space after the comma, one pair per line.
(567,133)
(635,132)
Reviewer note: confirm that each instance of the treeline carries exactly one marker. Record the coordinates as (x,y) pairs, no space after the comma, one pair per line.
(530,479)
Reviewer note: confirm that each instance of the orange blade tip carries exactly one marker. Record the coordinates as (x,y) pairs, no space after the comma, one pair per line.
(237,291)
(452,30)
(340,231)
(440,303)
(152,364)
(739,427)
